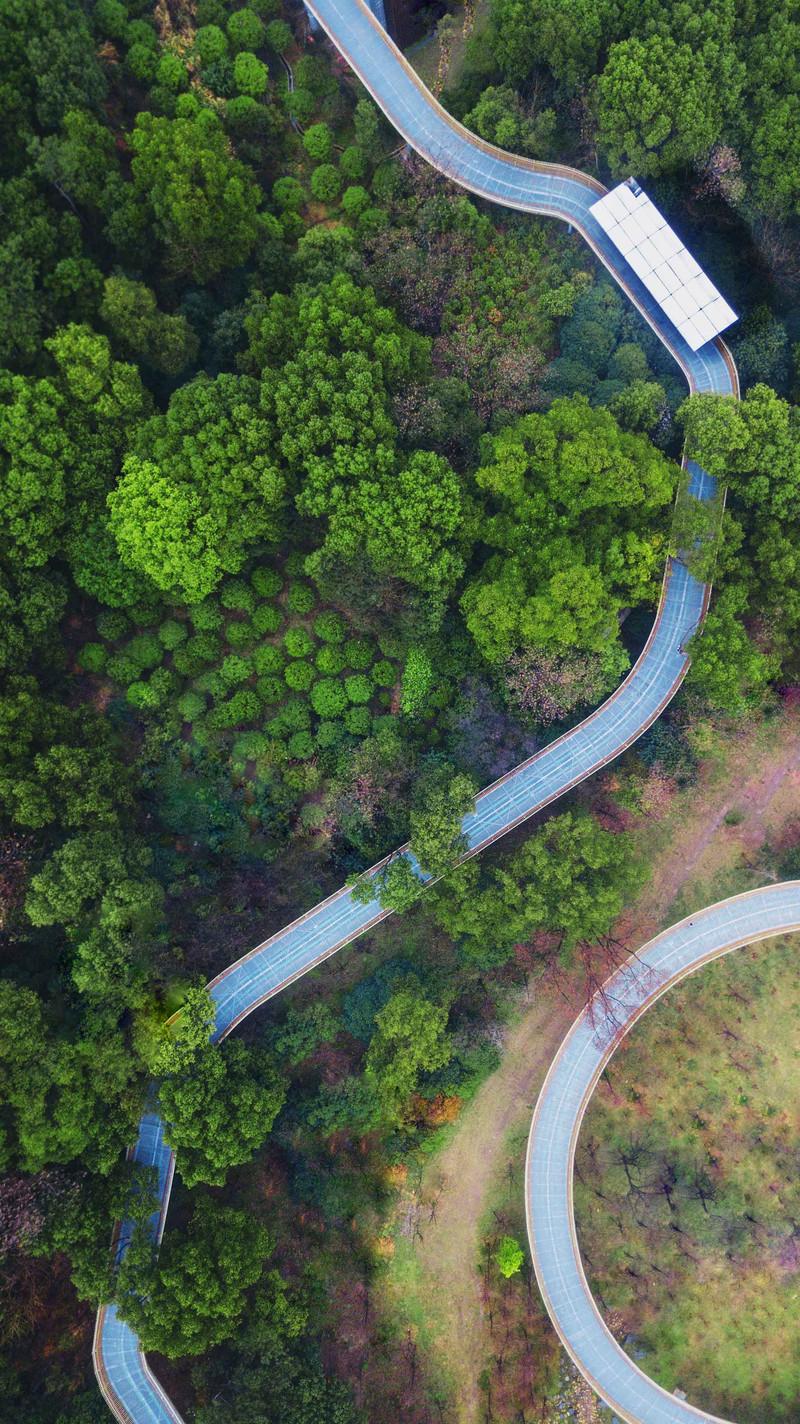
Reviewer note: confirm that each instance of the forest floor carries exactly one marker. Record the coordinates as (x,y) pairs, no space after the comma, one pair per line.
(696,858)
(424,55)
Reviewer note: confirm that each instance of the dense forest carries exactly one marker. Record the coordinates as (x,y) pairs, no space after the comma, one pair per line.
(328,494)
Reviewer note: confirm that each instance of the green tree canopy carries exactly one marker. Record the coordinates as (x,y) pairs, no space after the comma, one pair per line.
(198,488)
(410,1038)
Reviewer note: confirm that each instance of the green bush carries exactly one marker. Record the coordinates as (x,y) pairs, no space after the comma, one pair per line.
(301,598)
(213,684)
(122,668)
(237,594)
(329,734)
(210,44)
(355,201)
(301,105)
(250,746)
(196,653)
(331,628)
(267,618)
(145,650)
(299,675)
(141,62)
(295,565)
(171,634)
(358,721)
(384,673)
(298,643)
(292,226)
(358,688)
(250,75)
(266,9)
(288,195)
(110,19)
(112,624)
(266,582)
(359,654)
(279,36)
(267,659)
(141,696)
(353,163)
(140,32)
(171,73)
(211,12)
(326,183)
(328,697)
(235,669)
(191,705)
(301,746)
(271,689)
(312,816)
(390,645)
(244,706)
(241,635)
(330,660)
(294,716)
(206,616)
(245,31)
(418,680)
(318,143)
(93,657)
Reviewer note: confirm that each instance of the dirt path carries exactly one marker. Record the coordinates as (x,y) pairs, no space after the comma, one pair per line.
(697,846)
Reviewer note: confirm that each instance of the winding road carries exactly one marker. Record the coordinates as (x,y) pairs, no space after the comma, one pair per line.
(127,1383)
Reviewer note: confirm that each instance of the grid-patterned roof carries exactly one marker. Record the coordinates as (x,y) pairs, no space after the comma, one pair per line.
(660,259)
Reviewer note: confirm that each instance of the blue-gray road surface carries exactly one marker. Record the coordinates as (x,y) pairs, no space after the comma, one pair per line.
(127,1383)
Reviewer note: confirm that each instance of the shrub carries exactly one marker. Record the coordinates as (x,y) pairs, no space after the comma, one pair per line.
(358,721)
(295,565)
(298,643)
(236,593)
(191,705)
(122,668)
(141,696)
(140,32)
(141,62)
(326,183)
(279,36)
(171,634)
(330,660)
(211,12)
(301,598)
(299,675)
(384,673)
(294,716)
(353,163)
(245,31)
(318,143)
(355,201)
(288,195)
(145,650)
(250,746)
(292,226)
(244,706)
(359,654)
(312,816)
(249,74)
(171,73)
(267,618)
(196,653)
(390,645)
(271,689)
(219,78)
(240,635)
(210,44)
(267,659)
(418,680)
(301,746)
(329,734)
(235,669)
(112,624)
(266,582)
(266,9)
(358,688)
(206,616)
(93,657)
(328,697)
(110,19)
(331,628)
(213,684)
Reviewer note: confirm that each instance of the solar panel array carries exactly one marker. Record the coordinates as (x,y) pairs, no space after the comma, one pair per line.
(660,260)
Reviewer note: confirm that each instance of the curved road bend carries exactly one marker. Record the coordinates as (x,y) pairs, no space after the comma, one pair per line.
(565,1095)
(125,1379)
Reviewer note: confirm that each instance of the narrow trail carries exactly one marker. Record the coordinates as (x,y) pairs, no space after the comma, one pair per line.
(466,1170)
